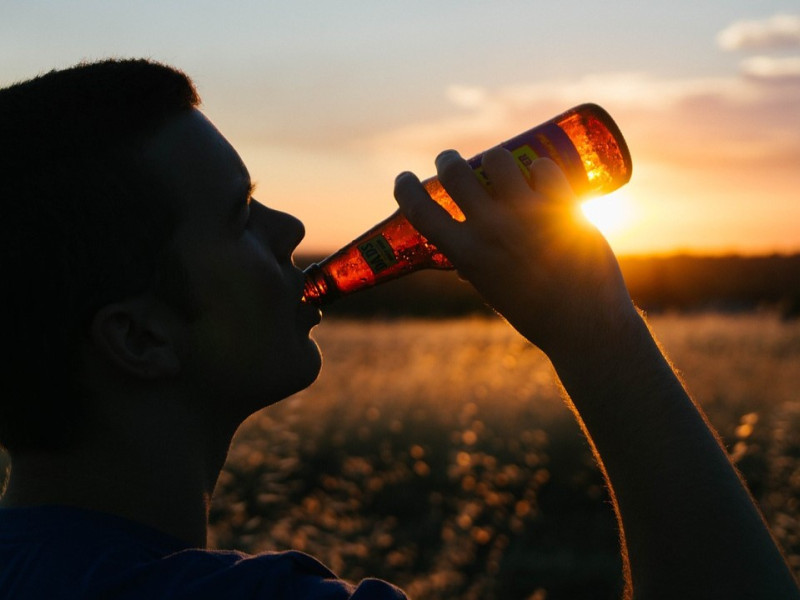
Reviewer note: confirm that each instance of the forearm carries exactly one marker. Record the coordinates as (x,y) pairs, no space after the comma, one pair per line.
(691,529)
(689,524)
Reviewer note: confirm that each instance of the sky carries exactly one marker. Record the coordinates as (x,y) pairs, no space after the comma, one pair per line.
(326,101)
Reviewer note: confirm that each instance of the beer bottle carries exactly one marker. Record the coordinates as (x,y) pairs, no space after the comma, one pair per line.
(584,141)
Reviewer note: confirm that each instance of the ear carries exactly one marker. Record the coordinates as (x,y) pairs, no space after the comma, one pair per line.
(135,336)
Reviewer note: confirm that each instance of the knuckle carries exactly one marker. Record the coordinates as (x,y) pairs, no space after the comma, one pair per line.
(451,167)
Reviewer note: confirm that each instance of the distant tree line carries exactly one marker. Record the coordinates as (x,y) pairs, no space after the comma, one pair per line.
(672,283)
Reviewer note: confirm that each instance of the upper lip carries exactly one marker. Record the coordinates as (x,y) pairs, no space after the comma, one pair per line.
(301,283)
(317,312)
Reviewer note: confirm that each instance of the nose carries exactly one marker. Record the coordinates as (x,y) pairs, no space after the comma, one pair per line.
(283,231)
(294,232)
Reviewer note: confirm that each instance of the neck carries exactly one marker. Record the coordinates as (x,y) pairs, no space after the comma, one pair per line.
(161,476)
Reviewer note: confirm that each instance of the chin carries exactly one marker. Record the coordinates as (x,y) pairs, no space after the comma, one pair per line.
(314,365)
(298,375)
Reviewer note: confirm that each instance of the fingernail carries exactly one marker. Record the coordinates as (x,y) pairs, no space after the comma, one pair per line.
(447,155)
(402,176)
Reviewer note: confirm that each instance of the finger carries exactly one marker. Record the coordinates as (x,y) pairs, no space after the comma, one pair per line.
(507,180)
(460,182)
(549,180)
(427,216)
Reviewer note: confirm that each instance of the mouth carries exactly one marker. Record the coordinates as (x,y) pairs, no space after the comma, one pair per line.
(309,316)
(317,315)
(309,313)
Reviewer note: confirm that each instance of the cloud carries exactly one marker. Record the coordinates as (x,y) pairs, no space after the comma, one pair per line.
(776,32)
(680,123)
(479,113)
(466,96)
(769,68)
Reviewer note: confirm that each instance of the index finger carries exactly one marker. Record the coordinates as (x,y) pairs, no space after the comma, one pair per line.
(461,183)
(424,213)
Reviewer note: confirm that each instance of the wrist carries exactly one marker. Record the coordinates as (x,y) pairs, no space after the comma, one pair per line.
(602,336)
(614,353)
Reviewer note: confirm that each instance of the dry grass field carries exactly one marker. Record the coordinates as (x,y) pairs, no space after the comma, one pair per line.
(439,455)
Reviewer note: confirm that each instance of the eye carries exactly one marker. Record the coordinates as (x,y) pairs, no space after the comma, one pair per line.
(245,209)
(246,212)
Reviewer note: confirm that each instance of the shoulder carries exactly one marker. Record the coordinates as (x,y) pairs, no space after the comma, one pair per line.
(290,575)
(205,574)
(69,555)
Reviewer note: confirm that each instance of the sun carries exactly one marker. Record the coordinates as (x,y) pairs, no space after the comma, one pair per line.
(611,214)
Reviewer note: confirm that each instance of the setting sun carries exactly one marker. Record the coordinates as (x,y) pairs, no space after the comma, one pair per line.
(611,213)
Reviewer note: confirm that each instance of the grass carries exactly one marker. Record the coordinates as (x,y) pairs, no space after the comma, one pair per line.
(437,454)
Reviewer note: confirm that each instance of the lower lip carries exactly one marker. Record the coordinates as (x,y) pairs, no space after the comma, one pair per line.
(310,314)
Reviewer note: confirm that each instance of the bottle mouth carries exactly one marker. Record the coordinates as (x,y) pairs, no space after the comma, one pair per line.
(316,289)
(310,294)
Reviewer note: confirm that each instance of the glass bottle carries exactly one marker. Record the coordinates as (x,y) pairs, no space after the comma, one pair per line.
(584,141)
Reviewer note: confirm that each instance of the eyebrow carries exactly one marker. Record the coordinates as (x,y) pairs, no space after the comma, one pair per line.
(245,194)
(251,188)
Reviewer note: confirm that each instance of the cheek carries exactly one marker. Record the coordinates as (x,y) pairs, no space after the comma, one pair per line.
(243,281)
(246,304)
(250,321)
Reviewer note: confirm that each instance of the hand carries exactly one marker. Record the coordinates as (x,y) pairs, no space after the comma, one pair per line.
(689,527)
(526,249)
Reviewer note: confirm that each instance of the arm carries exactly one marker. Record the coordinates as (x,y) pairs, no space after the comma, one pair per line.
(689,527)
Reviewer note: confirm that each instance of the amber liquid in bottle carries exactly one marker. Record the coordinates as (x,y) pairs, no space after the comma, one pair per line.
(584,141)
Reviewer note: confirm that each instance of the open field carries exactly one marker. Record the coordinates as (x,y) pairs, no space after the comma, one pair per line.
(439,455)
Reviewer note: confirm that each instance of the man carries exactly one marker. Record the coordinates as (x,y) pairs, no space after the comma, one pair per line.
(152,305)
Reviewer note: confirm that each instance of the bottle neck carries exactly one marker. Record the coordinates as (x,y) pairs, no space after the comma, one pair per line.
(317,288)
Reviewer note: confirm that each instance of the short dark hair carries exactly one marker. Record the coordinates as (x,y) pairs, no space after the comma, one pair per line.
(81,225)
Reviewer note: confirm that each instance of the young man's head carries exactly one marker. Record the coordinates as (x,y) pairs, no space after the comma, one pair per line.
(128,242)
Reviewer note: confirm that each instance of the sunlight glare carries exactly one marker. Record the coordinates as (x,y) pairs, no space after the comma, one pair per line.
(611,213)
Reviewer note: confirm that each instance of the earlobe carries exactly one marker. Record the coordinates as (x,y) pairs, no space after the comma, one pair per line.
(134,337)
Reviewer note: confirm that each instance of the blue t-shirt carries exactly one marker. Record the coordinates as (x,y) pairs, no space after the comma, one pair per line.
(57,552)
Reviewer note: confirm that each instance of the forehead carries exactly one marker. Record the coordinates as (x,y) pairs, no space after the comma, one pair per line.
(199,169)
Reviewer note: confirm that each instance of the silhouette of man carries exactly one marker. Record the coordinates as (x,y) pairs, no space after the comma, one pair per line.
(151,304)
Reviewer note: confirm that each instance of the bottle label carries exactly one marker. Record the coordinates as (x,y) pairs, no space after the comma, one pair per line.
(547,140)
(377,253)
(525,156)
